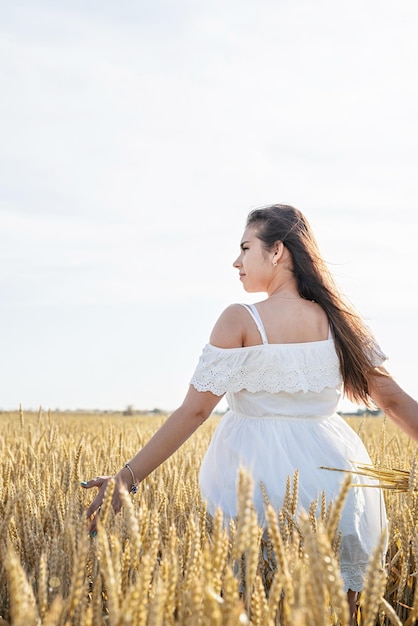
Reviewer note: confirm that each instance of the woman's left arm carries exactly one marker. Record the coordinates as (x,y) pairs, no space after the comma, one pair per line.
(394,401)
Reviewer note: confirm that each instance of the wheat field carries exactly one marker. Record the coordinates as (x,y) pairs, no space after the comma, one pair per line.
(162,561)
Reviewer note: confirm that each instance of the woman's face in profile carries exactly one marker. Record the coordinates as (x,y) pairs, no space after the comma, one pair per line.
(253,263)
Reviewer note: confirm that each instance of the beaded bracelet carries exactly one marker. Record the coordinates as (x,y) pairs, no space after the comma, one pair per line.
(134,488)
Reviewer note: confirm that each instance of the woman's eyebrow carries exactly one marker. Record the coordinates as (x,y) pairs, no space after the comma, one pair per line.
(242,243)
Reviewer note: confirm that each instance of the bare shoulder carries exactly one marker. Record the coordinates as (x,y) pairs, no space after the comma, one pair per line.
(228,331)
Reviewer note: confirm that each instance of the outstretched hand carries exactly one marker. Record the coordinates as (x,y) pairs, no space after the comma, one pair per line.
(102,482)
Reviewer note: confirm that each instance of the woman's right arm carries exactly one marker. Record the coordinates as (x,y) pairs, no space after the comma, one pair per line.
(394,402)
(195,409)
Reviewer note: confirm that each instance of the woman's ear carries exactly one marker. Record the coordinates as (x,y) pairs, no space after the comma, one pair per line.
(278,249)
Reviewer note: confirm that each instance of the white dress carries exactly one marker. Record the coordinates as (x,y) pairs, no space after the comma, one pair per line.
(282,401)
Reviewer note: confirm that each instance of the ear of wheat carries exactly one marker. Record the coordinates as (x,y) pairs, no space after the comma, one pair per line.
(387,478)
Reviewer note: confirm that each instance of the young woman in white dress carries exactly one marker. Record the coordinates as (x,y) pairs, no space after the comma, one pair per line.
(283,364)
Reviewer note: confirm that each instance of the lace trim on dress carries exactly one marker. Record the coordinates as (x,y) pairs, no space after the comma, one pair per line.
(353,576)
(271,368)
(377,356)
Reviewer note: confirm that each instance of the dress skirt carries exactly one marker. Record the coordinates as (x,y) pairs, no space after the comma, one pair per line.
(271,449)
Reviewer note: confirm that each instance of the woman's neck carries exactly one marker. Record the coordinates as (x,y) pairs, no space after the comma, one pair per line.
(284,288)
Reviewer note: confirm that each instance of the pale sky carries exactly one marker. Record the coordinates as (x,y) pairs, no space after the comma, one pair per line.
(135,138)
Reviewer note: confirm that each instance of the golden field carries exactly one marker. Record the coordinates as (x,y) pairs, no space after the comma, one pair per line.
(161,562)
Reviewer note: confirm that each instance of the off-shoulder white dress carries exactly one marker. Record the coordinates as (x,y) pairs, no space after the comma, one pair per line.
(282,401)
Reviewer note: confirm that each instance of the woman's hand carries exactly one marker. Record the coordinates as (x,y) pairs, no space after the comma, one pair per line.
(102,483)
(196,408)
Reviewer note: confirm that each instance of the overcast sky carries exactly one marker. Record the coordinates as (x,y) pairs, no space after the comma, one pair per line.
(135,138)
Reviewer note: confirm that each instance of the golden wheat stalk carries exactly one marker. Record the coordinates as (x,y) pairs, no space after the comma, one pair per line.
(388,478)
(23,610)
(374,585)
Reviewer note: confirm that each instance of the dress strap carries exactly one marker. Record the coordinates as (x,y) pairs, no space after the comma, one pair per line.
(252,309)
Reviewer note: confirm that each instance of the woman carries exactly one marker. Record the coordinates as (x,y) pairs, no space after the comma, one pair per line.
(283,363)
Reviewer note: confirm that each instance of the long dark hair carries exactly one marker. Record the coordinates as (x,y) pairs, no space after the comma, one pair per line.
(354,343)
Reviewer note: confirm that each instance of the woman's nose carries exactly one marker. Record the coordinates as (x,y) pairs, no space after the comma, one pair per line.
(237,262)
